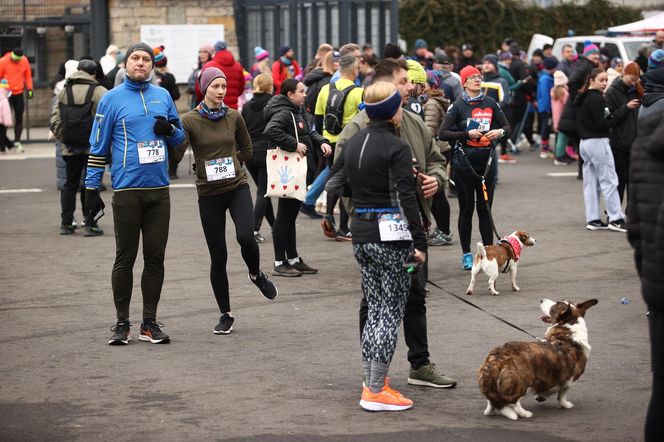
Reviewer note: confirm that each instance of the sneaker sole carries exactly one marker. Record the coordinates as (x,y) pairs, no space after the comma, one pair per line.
(343,238)
(287,275)
(145,338)
(595,228)
(616,229)
(119,342)
(378,406)
(221,332)
(422,383)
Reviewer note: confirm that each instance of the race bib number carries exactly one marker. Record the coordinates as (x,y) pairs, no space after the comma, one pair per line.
(393,227)
(151,151)
(220,169)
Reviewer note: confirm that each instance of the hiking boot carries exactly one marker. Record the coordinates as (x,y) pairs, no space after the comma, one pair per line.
(304,269)
(67,229)
(258,237)
(596,224)
(506,159)
(428,376)
(310,211)
(285,269)
(467,261)
(93,231)
(267,288)
(344,235)
(120,334)
(618,225)
(385,400)
(151,332)
(328,226)
(225,325)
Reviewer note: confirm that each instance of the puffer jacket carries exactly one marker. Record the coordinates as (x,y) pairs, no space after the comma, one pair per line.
(577,79)
(623,132)
(434,111)
(645,228)
(652,102)
(280,130)
(125,120)
(6,118)
(225,62)
(81,82)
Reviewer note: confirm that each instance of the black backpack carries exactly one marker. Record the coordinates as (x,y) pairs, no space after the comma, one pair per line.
(334,110)
(77,119)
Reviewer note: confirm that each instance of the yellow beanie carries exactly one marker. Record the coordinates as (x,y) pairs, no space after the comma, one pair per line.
(416,73)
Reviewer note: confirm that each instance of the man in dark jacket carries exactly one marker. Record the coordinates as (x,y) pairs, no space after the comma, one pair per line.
(646,235)
(468,58)
(519,70)
(653,99)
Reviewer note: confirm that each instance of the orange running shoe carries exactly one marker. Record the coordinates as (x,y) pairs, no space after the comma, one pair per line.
(385,400)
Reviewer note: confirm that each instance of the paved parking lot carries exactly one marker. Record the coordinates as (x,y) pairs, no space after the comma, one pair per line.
(291,370)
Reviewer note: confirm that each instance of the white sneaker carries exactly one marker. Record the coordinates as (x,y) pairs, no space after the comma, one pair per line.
(19,147)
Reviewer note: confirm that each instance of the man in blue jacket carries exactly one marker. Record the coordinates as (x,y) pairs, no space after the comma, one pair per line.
(135,124)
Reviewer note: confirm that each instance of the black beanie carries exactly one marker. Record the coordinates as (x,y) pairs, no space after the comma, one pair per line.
(139,47)
(88,66)
(392,51)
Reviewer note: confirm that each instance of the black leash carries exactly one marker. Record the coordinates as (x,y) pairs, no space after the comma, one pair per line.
(482,180)
(482,310)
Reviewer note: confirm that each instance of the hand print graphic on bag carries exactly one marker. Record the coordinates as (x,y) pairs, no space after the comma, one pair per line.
(286,173)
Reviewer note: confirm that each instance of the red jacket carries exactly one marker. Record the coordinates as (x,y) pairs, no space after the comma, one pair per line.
(224,61)
(18,75)
(280,73)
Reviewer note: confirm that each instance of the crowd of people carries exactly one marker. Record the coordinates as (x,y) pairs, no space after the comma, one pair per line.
(386,141)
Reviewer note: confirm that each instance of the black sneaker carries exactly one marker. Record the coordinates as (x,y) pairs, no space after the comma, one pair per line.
(120,334)
(310,211)
(225,325)
(344,235)
(285,269)
(596,224)
(93,231)
(301,267)
(151,332)
(618,225)
(267,287)
(258,237)
(67,229)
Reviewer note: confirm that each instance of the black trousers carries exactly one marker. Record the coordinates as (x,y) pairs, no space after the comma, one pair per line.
(440,209)
(655,417)
(4,141)
(471,196)
(414,319)
(18,104)
(518,111)
(263,208)
(135,212)
(284,237)
(213,218)
(621,160)
(75,167)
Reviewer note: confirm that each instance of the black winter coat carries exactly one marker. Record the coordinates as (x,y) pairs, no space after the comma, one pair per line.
(314,81)
(592,121)
(645,229)
(280,129)
(520,72)
(252,112)
(577,80)
(623,132)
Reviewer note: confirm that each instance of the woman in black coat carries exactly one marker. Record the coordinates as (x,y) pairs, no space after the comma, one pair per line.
(252,112)
(625,91)
(280,112)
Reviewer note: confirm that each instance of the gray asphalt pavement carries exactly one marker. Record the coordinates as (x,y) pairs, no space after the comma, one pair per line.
(291,370)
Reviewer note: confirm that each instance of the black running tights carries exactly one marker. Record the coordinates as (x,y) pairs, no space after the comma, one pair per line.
(469,192)
(213,218)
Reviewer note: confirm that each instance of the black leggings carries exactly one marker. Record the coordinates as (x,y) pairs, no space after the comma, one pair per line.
(440,209)
(470,194)
(18,104)
(263,207)
(283,230)
(213,218)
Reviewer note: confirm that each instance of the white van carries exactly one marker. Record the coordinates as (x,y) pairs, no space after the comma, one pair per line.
(624,47)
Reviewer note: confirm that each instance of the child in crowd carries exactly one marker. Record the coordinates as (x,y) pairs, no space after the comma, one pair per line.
(564,153)
(544,86)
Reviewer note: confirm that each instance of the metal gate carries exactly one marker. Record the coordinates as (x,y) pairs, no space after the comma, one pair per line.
(304,25)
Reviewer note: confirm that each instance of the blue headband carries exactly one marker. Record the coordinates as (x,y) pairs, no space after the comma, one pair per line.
(385,109)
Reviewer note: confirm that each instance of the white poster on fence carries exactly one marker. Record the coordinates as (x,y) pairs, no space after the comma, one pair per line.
(181,44)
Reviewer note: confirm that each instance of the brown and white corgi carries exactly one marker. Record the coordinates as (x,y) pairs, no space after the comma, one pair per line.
(546,368)
(501,258)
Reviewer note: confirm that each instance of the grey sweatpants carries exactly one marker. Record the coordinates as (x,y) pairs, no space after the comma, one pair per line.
(385,284)
(599,173)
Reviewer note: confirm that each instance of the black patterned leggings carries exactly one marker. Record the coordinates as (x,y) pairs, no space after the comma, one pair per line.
(385,284)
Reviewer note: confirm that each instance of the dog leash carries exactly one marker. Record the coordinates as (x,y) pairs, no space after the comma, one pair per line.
(482,310)
(481,178)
